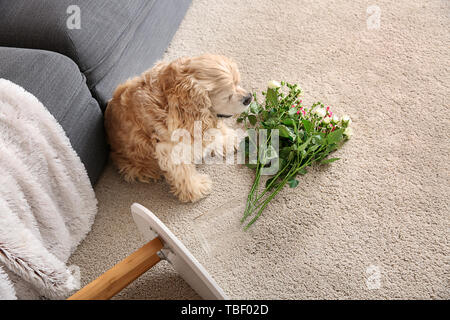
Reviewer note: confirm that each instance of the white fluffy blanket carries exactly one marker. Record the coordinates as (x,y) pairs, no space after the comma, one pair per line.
(47,205)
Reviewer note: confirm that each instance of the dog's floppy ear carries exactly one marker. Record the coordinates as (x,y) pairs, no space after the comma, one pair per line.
(187,100)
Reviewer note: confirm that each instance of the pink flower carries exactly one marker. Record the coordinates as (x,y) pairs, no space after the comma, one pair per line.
(293,106)
(298,112)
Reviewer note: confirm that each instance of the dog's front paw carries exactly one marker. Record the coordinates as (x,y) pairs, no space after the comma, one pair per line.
(197,187)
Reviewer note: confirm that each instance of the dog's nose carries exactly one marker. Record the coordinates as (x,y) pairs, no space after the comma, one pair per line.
(247,99)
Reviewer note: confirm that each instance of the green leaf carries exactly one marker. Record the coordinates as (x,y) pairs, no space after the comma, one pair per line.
(269,123)
(286,132)
(282,163)
(292,111)
(335,136)
(304,145)
(308,125)
(252,119)
(331,147)
(317,139)
(293,183)
(254,107)
(329,160)
(239,120)
(284,153)
(289,122)
(271,97)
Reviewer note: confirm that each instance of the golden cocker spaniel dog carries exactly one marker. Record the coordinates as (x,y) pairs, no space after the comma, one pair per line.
(147,110)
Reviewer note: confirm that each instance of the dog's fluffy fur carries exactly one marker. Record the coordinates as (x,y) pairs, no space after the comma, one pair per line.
(146,110)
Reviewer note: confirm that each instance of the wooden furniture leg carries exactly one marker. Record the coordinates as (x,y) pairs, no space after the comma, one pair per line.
(122,274)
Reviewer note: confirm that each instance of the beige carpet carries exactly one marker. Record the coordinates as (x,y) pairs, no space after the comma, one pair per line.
(374,225)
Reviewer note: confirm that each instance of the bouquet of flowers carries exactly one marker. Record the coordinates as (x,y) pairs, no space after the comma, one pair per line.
(305,135)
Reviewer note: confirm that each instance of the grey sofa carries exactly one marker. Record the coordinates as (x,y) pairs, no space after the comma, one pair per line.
(74,72)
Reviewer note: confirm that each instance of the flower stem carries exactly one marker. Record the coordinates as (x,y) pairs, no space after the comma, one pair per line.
(248,207)
(261,205)
(266,202)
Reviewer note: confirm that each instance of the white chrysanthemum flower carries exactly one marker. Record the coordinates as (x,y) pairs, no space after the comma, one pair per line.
(274,84)
(346,119)
(335,119)
(348,132)
(320,112)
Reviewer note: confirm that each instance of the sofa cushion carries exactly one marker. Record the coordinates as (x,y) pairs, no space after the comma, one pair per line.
(145,47)
(57,82)
(117,39)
